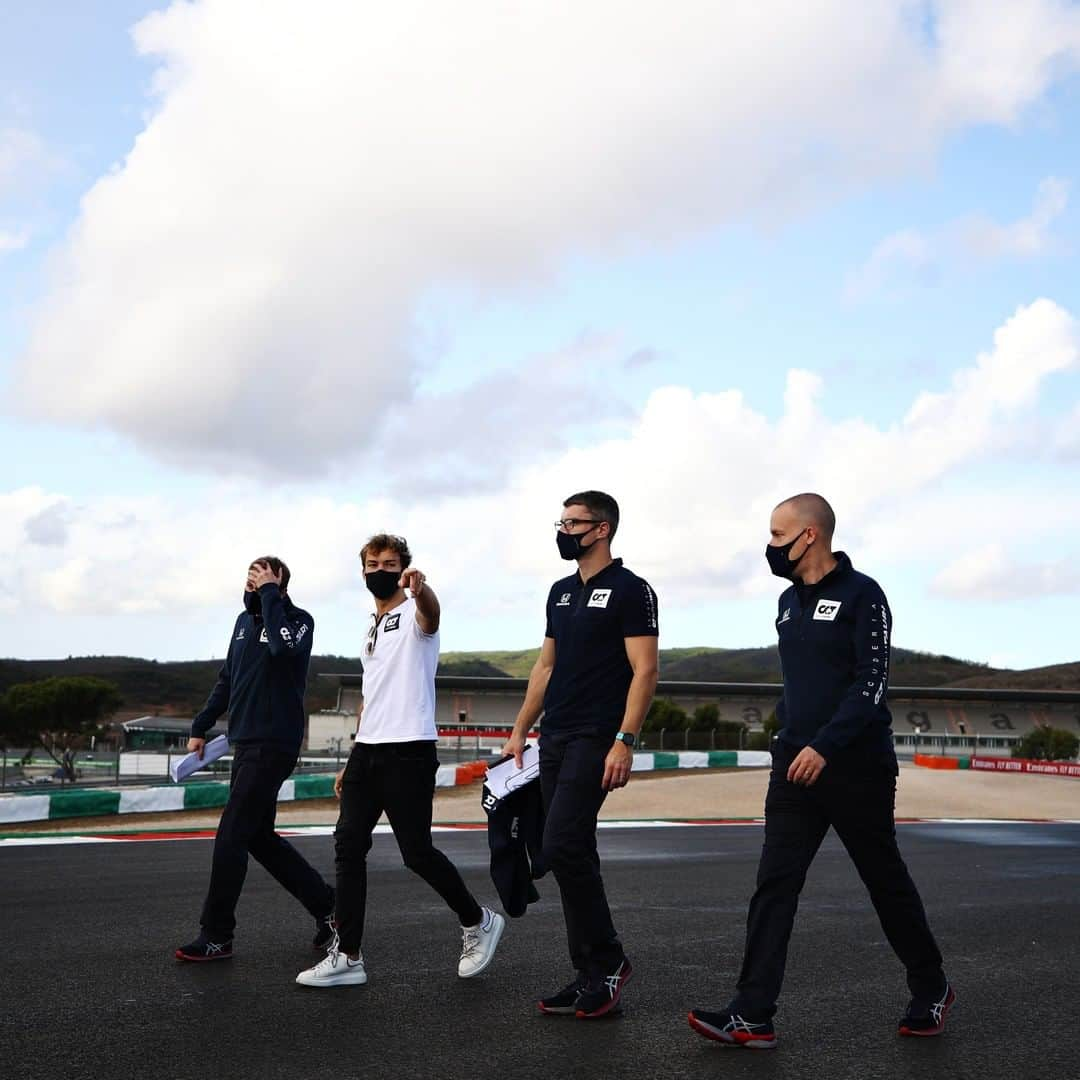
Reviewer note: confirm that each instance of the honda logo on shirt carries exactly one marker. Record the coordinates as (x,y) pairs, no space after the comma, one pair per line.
(826,610)
(564,600)
(599,598)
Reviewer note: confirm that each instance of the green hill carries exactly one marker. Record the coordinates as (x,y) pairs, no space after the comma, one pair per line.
(704,664)
(180,688)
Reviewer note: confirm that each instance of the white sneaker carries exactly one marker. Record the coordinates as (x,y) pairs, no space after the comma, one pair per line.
(478,944)
(335,969)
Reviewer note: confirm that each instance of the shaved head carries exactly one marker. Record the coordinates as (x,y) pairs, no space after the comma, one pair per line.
(812,509)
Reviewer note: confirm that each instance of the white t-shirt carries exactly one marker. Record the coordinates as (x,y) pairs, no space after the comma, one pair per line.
(399,680)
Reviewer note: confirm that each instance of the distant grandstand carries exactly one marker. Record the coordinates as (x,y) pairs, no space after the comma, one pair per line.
(990,720)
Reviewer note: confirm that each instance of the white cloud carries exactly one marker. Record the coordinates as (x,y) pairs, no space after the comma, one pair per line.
(13,241)
(990,573)
(240,291)
(1025,238)
(920,257)
(696,475)
(471,439)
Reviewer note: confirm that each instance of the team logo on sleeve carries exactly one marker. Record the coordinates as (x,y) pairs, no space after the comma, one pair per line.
(826,610)
(786,617)
(392,623)
(600,598)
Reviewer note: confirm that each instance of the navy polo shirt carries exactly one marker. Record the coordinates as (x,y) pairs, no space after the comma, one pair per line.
(589,622)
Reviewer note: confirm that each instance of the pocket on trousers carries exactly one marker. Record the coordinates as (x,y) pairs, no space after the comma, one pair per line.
(419,753)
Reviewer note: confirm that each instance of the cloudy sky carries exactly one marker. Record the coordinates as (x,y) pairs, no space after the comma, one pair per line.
(276,276)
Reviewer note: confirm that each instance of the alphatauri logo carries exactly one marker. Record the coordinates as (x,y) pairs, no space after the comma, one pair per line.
(599,598)
(826,610)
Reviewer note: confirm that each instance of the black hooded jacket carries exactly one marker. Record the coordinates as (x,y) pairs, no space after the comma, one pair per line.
(262,682)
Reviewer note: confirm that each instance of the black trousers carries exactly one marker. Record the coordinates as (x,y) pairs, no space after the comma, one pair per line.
(860,807)
(398,778)
(571,769)
(247,827)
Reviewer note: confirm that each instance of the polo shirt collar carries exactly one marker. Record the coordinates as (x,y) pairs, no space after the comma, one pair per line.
(613,565)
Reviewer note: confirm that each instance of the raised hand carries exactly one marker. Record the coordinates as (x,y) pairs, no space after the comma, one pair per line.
(413,580)
(260,574)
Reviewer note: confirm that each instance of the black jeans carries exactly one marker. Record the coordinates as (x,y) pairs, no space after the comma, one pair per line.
(571,769)
(398,778)
(247,827)
(860,807)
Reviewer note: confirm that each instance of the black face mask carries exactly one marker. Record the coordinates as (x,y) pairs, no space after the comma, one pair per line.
(382,584)
(570,545)
(252,602)
(780,563)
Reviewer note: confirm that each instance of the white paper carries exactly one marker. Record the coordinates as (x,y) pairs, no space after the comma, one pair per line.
(507,777)
(192,763)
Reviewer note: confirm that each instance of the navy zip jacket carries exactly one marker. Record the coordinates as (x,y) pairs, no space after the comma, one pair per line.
(834,653)
(262,681)
(516,843)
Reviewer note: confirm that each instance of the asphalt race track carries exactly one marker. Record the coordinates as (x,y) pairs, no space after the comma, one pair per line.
(91,989)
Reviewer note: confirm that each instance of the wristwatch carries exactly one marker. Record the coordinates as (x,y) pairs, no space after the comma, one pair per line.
(626,738)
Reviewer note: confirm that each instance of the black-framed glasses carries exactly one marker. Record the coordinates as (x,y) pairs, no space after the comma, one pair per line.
(570,523)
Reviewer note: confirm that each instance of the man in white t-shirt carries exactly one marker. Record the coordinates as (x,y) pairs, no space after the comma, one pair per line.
(392,768)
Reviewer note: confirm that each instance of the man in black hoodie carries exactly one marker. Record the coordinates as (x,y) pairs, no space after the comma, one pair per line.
(261,684)
(833,765)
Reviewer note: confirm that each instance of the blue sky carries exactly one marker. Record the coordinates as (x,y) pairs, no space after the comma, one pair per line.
(209,341)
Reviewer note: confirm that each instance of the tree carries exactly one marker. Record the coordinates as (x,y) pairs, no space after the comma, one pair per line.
(771,725)
(1047,744)
(705,718)
(665,715)
(57,714)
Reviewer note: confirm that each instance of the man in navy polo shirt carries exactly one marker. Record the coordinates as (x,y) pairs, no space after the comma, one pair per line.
(833,765)
(593,681)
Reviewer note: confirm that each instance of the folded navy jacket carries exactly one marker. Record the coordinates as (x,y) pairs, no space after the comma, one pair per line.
(516,843)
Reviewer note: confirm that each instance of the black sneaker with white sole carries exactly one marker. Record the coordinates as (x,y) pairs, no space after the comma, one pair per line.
(202,949)
(564,1003)
(603,991)
(927,1018)
(731,1029)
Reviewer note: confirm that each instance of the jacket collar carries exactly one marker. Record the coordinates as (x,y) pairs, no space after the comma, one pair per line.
(842,568)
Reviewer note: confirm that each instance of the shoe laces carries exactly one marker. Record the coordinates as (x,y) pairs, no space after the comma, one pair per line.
(330,960)
(470,940)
